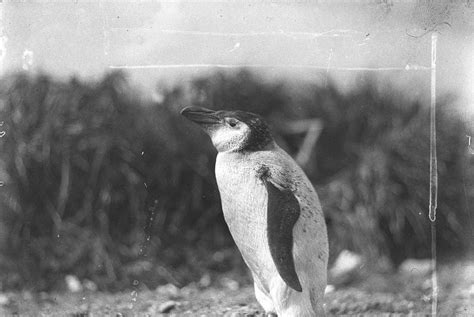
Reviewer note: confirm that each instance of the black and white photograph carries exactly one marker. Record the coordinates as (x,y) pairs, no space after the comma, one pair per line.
(259,158)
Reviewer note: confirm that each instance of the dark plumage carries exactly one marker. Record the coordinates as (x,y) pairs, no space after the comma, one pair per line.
(283,211)
(260,136)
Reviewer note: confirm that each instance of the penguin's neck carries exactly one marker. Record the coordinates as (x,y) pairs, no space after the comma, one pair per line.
(233,161)
(246,151)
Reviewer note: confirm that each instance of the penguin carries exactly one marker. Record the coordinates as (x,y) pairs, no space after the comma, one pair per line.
(272,211)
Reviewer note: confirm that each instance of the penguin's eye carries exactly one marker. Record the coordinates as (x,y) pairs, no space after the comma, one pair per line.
(232,122)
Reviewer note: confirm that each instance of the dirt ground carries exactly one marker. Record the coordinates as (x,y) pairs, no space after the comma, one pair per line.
(395,294)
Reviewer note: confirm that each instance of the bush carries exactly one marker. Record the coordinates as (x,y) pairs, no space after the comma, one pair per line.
(93,171)
(108,186)
(371,162)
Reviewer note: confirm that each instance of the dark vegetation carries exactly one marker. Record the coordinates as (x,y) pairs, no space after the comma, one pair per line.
(110,187)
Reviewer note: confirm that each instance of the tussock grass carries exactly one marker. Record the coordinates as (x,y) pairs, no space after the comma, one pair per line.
(92,170)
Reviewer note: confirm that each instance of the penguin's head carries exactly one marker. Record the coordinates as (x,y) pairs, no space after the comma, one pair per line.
(232,131)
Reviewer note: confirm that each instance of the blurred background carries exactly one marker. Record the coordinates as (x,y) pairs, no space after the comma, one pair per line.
(101,179)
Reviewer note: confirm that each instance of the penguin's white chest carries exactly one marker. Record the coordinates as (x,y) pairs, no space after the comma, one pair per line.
(244,203)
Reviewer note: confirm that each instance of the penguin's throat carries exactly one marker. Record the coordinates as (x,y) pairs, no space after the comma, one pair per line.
(242,145)
(226,146)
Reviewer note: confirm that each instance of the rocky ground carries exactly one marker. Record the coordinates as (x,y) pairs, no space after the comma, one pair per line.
(389,294)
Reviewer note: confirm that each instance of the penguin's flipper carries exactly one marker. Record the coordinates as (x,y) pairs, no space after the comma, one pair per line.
(282,213)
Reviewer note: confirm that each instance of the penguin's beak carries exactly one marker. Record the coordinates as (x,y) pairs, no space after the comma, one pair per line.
(201,116)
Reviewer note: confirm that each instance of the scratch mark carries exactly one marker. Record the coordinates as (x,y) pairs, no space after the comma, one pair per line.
(236,46)
(294,35)
(433,177)
(433,157)
(328,67)
(469,146)
(162,66)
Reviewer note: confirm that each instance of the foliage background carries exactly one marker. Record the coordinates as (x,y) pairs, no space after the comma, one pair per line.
(104,184)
